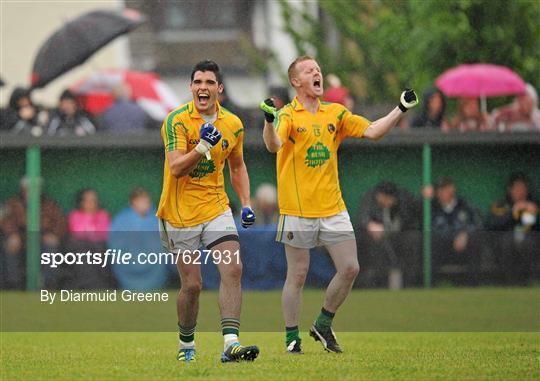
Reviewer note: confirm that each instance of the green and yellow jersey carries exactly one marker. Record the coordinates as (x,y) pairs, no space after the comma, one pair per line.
(307,163)
(200,196)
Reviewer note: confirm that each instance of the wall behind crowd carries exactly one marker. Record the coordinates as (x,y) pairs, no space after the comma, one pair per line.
(480,172)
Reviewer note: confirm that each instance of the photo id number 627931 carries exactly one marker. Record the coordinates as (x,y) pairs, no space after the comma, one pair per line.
(202,257)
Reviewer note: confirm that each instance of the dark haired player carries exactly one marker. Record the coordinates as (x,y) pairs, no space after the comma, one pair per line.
(194,208)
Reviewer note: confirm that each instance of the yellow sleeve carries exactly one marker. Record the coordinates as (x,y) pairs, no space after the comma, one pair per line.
(174,133)
(282,124)
(352,125)
(238,149)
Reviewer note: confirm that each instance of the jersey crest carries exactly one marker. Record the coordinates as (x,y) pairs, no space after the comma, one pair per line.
(317,155)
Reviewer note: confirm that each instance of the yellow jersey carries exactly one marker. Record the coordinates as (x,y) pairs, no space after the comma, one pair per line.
(307,163)
(200,196)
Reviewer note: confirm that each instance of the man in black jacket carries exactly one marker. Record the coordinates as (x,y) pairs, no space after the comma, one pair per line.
(22,116)
(515,230)
(456,226)
(389,237)
(69,119)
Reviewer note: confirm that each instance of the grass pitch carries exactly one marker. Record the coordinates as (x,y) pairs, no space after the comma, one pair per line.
(472,355)
(368,356)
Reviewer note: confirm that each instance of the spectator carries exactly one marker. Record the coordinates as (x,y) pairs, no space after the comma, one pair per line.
(135,230)
(456,226)
(515,225)
(89,227)
(266,208)
(124,116)
(13,227)
(389,236)
(22,116)
(432,114)
(88,222)
(469,117)
(69,119)
(521,115)
(337,93)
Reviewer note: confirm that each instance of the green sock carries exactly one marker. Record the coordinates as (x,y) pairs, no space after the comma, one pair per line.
(230,326)
(324,320)
(186,334)
(291,334)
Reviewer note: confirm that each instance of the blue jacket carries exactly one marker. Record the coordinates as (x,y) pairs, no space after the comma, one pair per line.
(135,234)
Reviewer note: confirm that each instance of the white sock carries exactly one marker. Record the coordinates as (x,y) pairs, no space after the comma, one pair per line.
(184,345)
(229,338)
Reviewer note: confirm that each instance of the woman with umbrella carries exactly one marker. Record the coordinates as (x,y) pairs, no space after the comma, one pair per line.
(471,82)
(22,116)
(69,119)
(469,117)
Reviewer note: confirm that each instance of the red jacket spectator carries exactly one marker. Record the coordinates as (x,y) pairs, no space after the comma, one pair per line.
(336,93)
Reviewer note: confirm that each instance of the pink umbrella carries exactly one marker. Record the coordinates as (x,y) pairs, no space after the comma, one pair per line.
(480,81)
(152,94)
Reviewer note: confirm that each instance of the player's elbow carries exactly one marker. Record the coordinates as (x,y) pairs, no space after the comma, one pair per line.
(273,147)
(372,133)
(177,171)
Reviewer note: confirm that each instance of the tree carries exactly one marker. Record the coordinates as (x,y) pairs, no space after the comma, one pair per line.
(386,45)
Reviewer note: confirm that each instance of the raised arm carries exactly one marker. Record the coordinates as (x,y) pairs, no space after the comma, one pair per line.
(270,136)
(182,163)
(382,126)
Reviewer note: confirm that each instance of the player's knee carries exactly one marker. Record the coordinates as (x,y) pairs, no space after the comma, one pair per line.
(192,288)
(234,271)
(298,278)
(231,275)
(350,272)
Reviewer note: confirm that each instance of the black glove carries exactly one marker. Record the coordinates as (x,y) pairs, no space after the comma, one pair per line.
(408,100)
(269,109)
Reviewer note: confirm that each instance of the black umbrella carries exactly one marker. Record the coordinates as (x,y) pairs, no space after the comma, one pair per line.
(77,40)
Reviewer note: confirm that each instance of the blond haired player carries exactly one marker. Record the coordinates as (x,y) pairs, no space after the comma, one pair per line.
(194,208)
(306,135)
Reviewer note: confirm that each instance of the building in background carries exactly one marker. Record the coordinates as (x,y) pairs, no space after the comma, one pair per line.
(25,26)
(246,37)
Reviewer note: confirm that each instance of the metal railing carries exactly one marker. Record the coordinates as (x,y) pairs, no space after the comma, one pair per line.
(253,140)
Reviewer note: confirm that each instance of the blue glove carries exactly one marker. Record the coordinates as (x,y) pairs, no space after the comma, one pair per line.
(210,136)
(248,217)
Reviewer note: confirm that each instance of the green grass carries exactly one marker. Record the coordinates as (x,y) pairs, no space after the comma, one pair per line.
(442,310)
(368,356)
(377,329)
